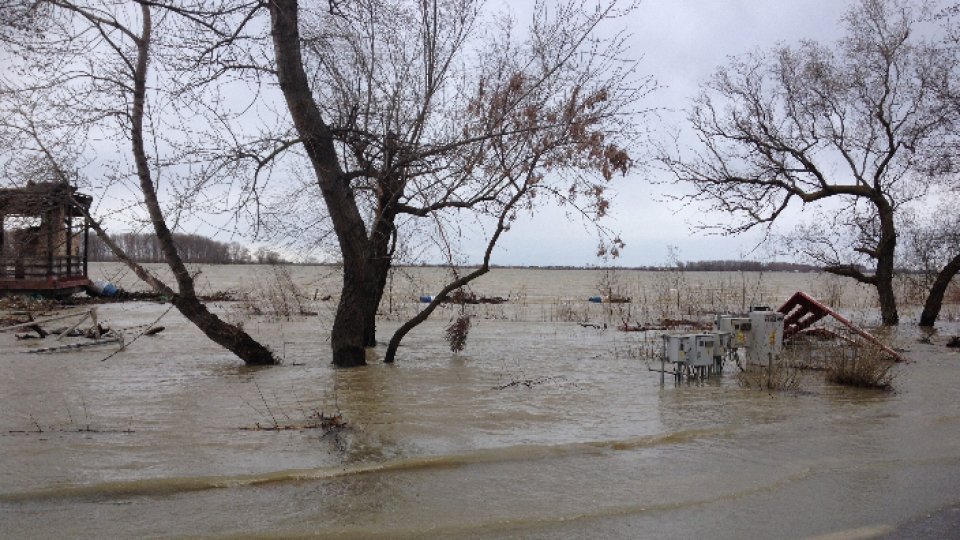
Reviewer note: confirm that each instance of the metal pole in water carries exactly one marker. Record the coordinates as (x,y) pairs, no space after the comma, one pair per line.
(769,370)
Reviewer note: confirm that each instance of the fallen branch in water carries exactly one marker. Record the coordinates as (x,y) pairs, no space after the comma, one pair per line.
(318,420)
(591,325)
(530,383)
(146,332)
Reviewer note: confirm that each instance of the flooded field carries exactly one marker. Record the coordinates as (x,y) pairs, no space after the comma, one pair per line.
(541,428)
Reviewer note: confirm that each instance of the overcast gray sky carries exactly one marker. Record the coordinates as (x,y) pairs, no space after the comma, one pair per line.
(682,42)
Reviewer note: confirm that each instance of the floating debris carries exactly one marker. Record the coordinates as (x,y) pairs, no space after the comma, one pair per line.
(316,420)
(530,383)
(82,345)
(665,324)
(609,299)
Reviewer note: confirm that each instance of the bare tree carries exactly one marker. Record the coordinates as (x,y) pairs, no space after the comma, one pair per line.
(933,235)
(931,253)
(846,126)
(412,110)
(410,115)
(91,62)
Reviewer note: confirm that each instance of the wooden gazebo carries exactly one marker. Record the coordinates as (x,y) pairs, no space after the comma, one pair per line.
(43,239)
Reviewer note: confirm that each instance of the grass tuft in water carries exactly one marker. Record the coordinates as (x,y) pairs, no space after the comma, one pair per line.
(778,376)
(867,367)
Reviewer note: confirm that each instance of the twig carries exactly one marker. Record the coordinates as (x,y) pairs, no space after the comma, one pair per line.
(138,336)
(267,405)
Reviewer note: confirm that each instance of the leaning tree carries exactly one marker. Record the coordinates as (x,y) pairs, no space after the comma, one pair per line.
(845,127)
(81,75)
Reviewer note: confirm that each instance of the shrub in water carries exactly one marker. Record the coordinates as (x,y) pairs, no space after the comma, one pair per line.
(774,377)
(867,367)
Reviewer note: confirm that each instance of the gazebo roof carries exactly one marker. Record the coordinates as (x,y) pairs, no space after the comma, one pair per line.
(37,198)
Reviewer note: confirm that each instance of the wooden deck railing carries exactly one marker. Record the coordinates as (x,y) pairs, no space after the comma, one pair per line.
(40,267)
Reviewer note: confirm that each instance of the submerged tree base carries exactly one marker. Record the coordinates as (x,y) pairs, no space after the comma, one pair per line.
(350,357)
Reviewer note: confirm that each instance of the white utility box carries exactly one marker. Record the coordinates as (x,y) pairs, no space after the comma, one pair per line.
(766,339)
(704,348)
(678,348)
(739,328)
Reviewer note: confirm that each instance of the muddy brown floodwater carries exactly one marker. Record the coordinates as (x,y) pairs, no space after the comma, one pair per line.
(541,428)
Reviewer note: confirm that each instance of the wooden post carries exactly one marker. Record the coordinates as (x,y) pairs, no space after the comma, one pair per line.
(86,243)
(65,333)
(68,225)
(48,222)
(769,370)
(3,258)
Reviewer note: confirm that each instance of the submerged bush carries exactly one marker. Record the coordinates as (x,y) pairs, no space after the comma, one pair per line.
(277,299)
(567,311)
(867,367)
(777,376)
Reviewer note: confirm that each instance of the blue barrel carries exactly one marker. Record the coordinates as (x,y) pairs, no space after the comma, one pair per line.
(103,288)
(426,299)
(596,299)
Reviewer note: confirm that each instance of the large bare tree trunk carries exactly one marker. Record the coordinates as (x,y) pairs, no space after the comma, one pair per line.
(931,308)
(378,283)
(350,327)
(346,337)
(885,256)
(889,315)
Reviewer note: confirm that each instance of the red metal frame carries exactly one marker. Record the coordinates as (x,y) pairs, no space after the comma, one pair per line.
(801,311)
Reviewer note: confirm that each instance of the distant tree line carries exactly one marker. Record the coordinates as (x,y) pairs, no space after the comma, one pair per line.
(194,248)
(693,266)
(744,266)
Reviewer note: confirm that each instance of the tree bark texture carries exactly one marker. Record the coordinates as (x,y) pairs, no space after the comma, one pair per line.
(886,257)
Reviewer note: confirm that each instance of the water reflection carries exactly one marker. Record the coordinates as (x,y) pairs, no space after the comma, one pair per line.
(364,396)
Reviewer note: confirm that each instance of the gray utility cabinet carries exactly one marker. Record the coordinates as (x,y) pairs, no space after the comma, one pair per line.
(738,327)
(704,346)
(678,348)
(766,336)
